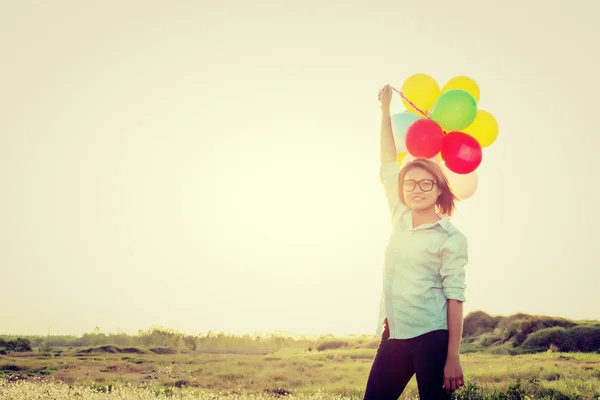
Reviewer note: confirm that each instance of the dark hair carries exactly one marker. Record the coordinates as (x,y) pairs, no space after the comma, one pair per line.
(445,201)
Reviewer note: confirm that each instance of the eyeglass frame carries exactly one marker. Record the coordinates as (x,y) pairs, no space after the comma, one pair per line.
(415,183)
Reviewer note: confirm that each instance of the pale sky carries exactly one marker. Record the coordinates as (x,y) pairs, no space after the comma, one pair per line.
(214,165)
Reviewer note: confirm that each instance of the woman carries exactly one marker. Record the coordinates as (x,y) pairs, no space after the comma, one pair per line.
(421,313)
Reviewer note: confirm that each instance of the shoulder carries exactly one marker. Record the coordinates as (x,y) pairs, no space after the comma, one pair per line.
(454,237)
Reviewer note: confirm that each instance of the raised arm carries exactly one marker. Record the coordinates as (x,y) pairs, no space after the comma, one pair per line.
(387,151)
(390,169)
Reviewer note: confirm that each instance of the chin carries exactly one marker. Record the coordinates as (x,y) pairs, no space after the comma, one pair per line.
(420,206)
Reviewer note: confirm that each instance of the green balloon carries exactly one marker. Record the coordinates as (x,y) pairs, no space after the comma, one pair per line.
(454,110)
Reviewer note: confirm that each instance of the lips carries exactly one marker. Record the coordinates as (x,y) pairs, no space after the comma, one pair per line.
(418,198)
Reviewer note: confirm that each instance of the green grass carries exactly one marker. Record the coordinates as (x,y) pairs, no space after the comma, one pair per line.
(341,371)
(503,358)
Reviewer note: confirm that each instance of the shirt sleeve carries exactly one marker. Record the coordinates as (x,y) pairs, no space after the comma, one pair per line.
(388,174)
(455,257)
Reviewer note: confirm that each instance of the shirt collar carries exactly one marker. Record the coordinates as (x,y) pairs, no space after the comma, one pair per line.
(443,222)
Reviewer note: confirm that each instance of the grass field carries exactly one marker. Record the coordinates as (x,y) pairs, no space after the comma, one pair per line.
(515,357)
(127,373)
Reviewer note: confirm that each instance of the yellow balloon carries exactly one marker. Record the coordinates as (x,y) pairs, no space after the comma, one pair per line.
(400,157)
(465,83)
(484,129)
(422,90)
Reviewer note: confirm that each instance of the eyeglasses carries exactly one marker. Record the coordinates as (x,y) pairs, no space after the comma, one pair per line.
(426,185)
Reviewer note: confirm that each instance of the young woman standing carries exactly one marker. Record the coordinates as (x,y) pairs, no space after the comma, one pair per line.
(421,313)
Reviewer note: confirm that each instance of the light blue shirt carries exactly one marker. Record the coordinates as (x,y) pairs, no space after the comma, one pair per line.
(423,268)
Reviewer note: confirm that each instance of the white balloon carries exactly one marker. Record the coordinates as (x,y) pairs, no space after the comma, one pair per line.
(463,185)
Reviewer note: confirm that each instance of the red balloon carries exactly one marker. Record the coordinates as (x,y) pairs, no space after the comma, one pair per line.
(424,138)
(461,152)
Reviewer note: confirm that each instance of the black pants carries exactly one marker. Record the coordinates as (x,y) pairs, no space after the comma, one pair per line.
(397,360)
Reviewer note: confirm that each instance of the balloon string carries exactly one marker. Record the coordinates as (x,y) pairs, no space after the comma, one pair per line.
(410,102)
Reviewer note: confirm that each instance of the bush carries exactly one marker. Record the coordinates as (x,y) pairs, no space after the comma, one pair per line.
(525,327)
(46,348)
(331,344)
(578,338)
(479,322)
(371,344)
(191,342)
(11,368)
(135,350)
(584,338)
(545,338)
(112,349)
(163,350)
(488,339)
(17,345)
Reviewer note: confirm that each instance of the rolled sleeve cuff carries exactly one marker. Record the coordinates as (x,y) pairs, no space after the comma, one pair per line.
(455,294)
(454,261)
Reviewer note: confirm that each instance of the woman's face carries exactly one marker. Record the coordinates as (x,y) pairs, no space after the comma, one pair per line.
(420,189)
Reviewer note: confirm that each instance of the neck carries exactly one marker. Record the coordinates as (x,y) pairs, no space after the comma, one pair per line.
(421,217)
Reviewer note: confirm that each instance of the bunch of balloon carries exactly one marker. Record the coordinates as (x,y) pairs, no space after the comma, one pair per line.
(444,125)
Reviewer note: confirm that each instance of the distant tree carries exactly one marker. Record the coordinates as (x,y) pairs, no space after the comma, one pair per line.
(191,342)
(46,348)
(18,345)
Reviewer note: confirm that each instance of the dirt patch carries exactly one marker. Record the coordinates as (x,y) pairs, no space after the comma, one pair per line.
(163,350)
(112,350)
